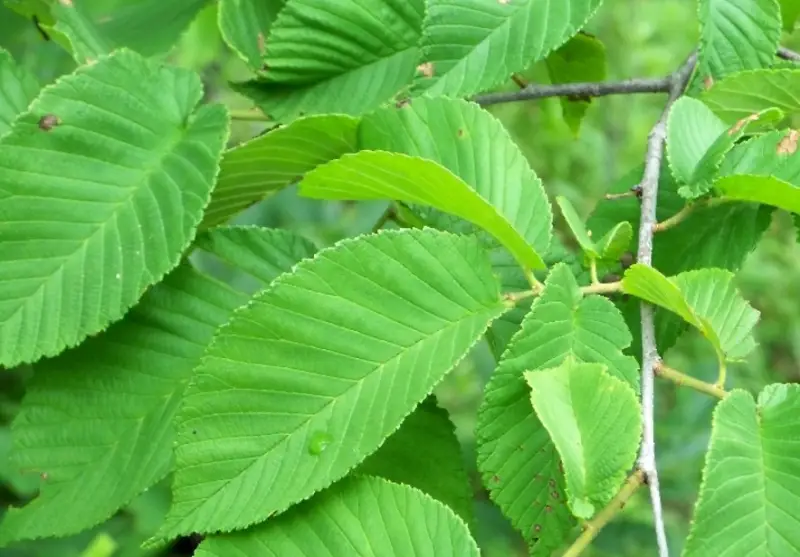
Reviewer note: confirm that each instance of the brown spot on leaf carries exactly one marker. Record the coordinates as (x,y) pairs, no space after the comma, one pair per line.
(737,127)
(537,527)
(552,482)
(402,102)
(708,82)
(496,479)
(44,476)
(460,132)
(262,43)
(548,509)
(48,122)
(554,494)
(788,145)
(426,69)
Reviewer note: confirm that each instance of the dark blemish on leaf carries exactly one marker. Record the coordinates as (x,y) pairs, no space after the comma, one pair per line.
(48,122)
(548,509)
(554,494)
(552,482)
(194,432)
(44,476)
(402,103)
(460,132)
(537,477)
(496,479)
(537,527)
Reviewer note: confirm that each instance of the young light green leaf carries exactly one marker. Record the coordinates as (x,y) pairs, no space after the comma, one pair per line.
(261,166)
(115,397)
(708,166)
(616,241)
(737,35)
(358,516)
(691,130)
(424,453)
(18,88)
(503,38)
(380,319)
(245,26)
(86,41)
(760,189)
(576,226)
(581,59)
(474,146)
(382,175)
(375,56)
(594,420)
(706,299)
(89,166)
(744,93)
(749,479)
(516,458)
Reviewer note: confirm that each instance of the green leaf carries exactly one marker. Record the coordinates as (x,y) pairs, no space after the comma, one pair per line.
(424,453)
(790,13)
(706,299)
(474,146)
(245,25)
(473,45)
(691,130)
(594,420)
(357,516)
(576,226)
(87,42)
(581,59)
(720,236)
(261,166)
(380,319)
(374,56)
(98,420)
(380,175)
(750,488)
(744,93)
(516,457)
(18,88)
(615,242)
(263,253)
(737,35)
(129,164)
(760,189)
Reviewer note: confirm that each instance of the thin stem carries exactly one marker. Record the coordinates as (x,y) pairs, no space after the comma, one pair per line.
(598,288)
(593,271)
(723,373)
(250,115)
(593,527)
(649,192)
(675,219)
(683,380)
(536,286)
(623,195)
(388,215)
(597,89)
(787,54)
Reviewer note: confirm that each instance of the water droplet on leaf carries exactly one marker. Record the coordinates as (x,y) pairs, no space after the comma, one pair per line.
(319,442)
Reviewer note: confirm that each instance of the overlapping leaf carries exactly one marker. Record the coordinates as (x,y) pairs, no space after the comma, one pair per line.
(472,45)
(382,175)
(358,516)
(750,489)
(17,89)
(790,12)
(320,369)
(711,236)
(737,35)
(707,299)
(474,146)
(348,56)
(102,184)
(253,170)
(691,130)
(517,460)
(425,453)
(245,24)
(98,420)
(748,92)
(581,59)
(594,420)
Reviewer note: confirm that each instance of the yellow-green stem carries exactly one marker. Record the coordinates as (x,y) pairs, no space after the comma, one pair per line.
(251,115)
(683,380)
(593,527)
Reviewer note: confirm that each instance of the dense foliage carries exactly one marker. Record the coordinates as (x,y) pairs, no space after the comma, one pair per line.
(229,331)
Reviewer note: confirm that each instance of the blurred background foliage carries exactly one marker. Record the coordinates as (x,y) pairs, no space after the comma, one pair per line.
(641,39)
